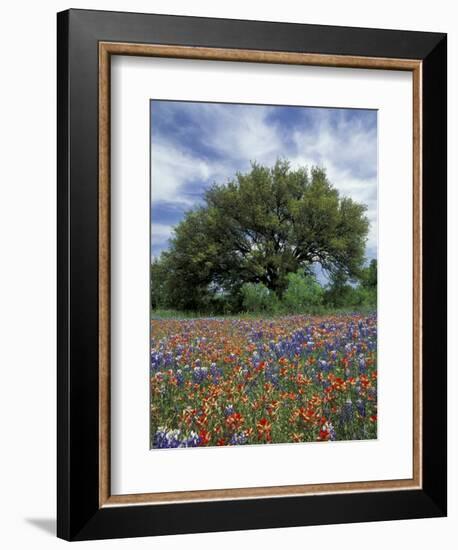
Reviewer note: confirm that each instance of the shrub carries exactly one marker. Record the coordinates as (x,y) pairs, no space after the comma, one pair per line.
(303,294)
(347,296)
(258,298)
(362,296)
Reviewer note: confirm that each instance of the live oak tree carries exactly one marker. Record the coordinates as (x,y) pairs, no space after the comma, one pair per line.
(258,228)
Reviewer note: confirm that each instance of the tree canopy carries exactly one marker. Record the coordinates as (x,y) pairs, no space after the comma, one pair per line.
(258,228)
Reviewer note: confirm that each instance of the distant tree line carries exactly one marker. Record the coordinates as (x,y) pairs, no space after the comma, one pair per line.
(254,244)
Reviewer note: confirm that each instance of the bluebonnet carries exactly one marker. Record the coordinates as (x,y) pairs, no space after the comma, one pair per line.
(171,439)
(199,374)
(346,414)
(166,439)
(332,432)
(238,439)
(324,365)
(180,377)
(215,372)
(156,360)
(361,407)
(191,441)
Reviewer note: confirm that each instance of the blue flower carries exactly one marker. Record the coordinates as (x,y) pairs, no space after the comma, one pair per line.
(199,374)
(180,377)
(361,407)
(238,439)
(166,439)
(346,414)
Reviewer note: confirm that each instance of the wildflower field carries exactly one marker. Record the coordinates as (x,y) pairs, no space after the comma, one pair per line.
(235,381)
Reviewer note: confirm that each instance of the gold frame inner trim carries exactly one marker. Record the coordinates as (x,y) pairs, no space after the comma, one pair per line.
(106,50)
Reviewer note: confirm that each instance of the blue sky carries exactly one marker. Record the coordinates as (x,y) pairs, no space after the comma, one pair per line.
(196,144)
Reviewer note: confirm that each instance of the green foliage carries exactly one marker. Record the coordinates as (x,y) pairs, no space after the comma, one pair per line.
(158,284)
(303,293)
(369,275)
(341,294)
(258,228)
(258,298)
(249,244)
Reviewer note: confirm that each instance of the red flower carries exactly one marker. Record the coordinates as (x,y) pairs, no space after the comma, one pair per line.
(323,435)
(201,420)
(272,408)
(264,429)
(204,437)
(234,421)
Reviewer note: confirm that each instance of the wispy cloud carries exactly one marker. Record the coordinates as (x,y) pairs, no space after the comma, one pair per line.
(196,144)
(160,236)
(173,170)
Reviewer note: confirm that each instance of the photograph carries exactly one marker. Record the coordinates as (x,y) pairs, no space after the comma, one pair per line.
(251,307)
(263,276)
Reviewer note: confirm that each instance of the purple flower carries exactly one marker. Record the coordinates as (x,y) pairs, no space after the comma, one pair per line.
(361,407)
(238,439)
(166,439)
(199,374)
(346,414)
(180,377)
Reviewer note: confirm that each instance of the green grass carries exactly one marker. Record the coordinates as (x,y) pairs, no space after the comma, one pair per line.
(175,314)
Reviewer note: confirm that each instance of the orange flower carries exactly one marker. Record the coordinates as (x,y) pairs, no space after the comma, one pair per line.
(315,401)
(262,365)
(204,437)
(272,408)
(339,384)
(325,432)
(264,430)
(307,414)
(248,432)
(303,380)
(202,420)
(234,421)
(294,416)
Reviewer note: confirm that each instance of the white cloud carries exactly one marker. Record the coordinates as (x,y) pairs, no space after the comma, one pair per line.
(348,151)
(236,139)
(240,133)
(161,232)
(171,169)
(237,135)
(345,142)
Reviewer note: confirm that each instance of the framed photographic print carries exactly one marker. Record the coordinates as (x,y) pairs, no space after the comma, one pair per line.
(252,274)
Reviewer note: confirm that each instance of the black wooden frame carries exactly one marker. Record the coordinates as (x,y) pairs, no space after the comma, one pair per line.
(79,515)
